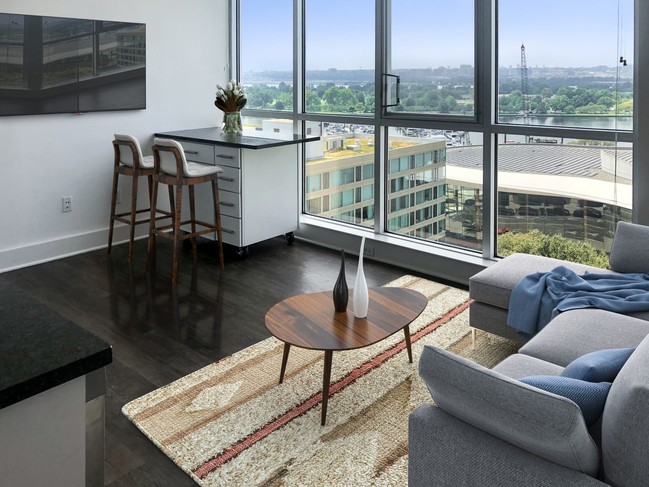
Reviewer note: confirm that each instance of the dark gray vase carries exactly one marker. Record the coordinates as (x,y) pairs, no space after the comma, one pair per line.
(341,292)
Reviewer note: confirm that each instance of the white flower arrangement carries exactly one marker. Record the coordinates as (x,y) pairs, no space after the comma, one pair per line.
(230,98)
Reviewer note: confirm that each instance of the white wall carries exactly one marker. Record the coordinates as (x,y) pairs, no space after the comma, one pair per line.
(46,157)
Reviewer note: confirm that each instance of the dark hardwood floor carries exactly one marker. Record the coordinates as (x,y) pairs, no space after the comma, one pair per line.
(160,333)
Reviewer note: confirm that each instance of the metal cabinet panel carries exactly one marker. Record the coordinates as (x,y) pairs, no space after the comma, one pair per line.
(198,152)
(227,156)
(230,179)
(230,203)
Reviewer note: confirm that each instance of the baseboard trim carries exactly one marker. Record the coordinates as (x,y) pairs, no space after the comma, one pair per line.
(41,252)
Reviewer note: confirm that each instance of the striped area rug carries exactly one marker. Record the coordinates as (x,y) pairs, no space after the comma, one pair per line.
(232,424)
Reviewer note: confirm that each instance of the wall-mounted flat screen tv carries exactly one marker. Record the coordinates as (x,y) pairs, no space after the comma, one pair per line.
(63,65)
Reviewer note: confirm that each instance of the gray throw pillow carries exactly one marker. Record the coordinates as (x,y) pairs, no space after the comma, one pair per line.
(630,248)
(537,421)
(589,396)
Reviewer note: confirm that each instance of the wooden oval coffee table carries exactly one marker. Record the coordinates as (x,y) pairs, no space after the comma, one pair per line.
(310,321)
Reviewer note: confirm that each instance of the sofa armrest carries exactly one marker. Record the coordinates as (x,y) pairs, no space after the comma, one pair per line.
(447,452)
(542,423)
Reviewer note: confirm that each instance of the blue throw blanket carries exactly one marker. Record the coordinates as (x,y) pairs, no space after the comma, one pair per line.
(539,297)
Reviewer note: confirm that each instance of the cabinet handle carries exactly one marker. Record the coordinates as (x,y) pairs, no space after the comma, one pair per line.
(225,203)
(193,152)
(222,178)
(224,156)
(231,232)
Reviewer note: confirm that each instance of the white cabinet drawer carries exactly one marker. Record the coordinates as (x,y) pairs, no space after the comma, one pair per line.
(227,156)
(198,152)
(230,179)
(231,230)
(230,203)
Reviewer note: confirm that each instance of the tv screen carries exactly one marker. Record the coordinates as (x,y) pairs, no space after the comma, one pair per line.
(63,65)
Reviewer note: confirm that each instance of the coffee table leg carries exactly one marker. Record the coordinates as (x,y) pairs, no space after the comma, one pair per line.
(287,348)
(325,384)
(406,332)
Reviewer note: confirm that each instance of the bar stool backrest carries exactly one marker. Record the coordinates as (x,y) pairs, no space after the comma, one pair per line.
(171,159)
(129,157)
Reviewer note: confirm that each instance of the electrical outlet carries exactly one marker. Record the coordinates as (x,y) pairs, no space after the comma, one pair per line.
(66,203)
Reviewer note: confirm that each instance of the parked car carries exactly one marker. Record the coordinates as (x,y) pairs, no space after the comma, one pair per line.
(590,212)
(528,210)
(506,210)
(469,224)
(557,211)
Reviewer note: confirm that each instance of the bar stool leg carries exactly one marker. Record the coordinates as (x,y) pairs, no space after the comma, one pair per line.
(152,236)
(192,213)
(172,207)
(149,180)
(133,215)
(177,218)
(217,220)
(113,204)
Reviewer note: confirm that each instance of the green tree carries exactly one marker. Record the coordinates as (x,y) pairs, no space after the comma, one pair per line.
(555,246)
(451,102)
(285,99)
(592,108)
(607,100)
(259,97)
(312,101)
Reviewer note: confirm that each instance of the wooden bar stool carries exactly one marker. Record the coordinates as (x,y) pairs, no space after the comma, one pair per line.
(172,168)
(129,161)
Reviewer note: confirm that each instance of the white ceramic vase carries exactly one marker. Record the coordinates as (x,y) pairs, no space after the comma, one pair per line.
(361,298)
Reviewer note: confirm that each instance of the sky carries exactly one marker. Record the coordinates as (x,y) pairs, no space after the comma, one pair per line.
(432,33)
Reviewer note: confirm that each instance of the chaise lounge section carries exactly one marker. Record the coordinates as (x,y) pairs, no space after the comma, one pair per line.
(488,428)
(491,288)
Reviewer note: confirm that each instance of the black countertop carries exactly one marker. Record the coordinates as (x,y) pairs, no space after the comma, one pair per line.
(40,349)
(249,140)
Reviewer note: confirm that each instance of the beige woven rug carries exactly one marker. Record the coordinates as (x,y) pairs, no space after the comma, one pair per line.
(232,424)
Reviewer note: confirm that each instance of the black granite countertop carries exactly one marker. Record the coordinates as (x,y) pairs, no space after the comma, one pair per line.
(249,140)
(40,349)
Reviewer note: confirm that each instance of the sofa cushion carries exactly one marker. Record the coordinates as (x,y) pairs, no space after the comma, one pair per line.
(629,251)
(625,423)
(563,339)
(600,366)
(492,319)
(539,422)
(447,452)
(494,284)
(589,396)
(520,365)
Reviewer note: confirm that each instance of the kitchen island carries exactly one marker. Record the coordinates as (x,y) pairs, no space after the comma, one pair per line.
(259,187)
(52,390)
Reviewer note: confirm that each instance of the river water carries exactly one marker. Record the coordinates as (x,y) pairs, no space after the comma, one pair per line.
(610,123)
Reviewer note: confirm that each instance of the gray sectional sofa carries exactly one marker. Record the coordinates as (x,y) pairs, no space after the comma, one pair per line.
(487,428)
(491,288)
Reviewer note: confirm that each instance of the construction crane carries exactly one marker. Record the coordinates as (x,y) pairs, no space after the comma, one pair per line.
(524,85)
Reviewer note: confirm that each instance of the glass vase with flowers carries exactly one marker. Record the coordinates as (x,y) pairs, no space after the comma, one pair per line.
(231,98)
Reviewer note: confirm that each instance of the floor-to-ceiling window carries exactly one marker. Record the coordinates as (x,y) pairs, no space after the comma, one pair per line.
(266,54)
(565,107)
(418,101)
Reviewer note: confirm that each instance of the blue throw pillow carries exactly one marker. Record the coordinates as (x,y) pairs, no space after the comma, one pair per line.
(589,396)
(600,366)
